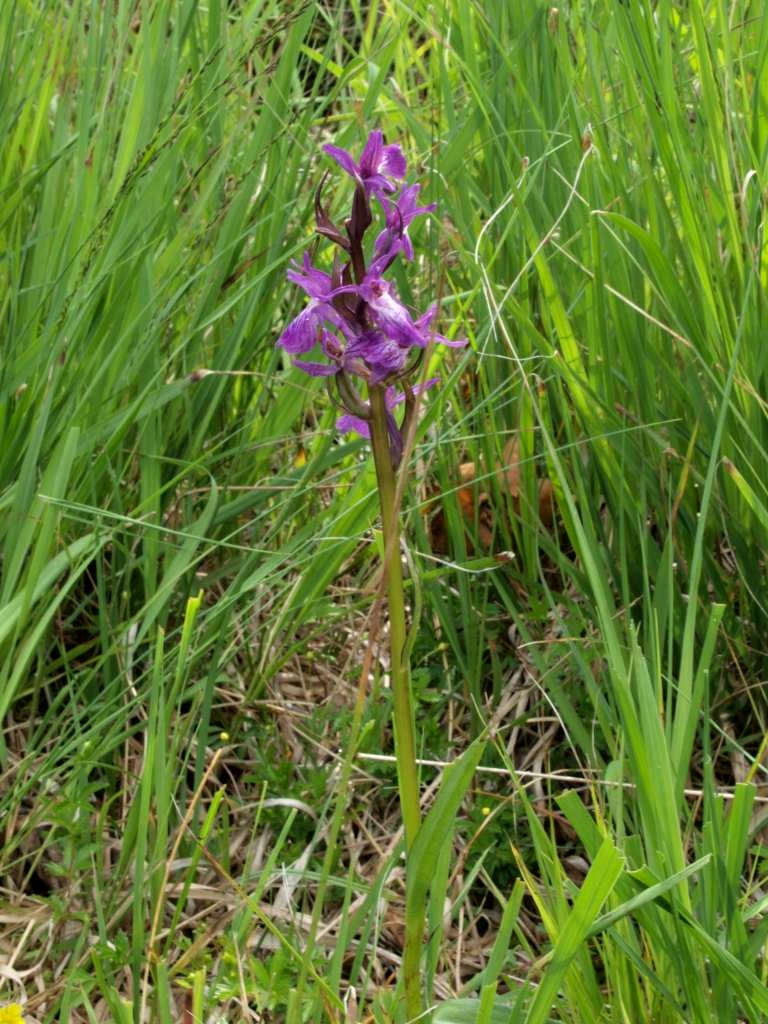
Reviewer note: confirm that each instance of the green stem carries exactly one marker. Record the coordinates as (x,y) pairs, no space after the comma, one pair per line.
(405,744)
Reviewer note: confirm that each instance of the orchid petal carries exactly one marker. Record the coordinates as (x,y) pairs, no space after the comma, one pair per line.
(391,316)
(343,159)
(301,333)
(316,369)
(424,324)
(349,424)
(393,162)
(370,159)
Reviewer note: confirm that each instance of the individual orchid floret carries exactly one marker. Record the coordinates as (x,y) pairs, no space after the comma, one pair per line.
(331,348)
(316,283)
(302,333)
(351,423)
(400,213)
(388,313)
(381,357)
(378,164)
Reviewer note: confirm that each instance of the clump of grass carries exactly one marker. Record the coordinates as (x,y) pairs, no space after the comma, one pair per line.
(183,555)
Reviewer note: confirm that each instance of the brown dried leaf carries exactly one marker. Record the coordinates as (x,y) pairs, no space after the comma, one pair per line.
(476,505)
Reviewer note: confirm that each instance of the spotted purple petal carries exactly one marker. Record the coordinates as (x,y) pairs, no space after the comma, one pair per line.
(370,158)
(301,333)
(393,162)
(400,212)
(390,315)
(382,354)
(349,424)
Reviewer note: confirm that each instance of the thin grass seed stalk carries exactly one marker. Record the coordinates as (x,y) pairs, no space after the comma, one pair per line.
(369,339)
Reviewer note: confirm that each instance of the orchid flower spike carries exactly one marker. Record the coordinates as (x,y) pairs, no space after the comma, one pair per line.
(354,315)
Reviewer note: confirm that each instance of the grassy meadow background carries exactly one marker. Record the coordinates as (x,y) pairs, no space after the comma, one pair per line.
(196,825)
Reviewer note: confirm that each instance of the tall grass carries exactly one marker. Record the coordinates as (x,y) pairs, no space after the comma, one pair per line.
(187,559)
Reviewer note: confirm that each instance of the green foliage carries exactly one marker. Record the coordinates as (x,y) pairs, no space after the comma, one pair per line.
(185,544)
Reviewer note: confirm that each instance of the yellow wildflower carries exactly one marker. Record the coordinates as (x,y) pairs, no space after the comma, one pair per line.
(11,1014)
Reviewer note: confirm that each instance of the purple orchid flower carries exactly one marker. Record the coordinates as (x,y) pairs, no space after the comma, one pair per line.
(301,334)
(376,348)
(316,283)
(331,348)
(382,356)
(378,164)
(354,315)
(389,314)
(395,238)
(351,424)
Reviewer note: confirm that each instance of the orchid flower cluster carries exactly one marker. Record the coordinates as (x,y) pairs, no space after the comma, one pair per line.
(354,314)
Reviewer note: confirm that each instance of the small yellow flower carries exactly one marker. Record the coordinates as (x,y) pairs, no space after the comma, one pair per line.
(11,1014)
